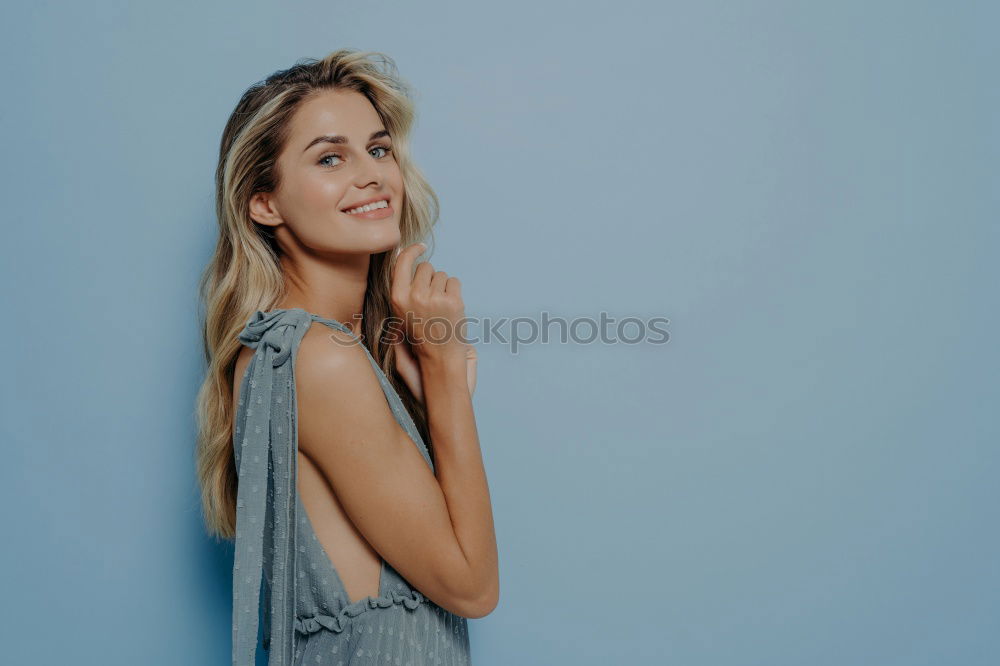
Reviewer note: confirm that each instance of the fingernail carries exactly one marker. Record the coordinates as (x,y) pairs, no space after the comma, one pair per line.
(423,246)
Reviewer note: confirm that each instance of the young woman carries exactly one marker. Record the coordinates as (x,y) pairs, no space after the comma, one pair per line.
(337,440)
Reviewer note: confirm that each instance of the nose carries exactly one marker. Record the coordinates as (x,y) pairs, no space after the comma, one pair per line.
(368,172)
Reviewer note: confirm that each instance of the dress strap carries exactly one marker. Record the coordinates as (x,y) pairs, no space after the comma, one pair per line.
(267,434)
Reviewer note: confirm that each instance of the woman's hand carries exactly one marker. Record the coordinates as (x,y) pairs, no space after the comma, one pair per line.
(431,307)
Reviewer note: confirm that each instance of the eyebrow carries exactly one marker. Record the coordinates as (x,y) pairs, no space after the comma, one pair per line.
(339,138)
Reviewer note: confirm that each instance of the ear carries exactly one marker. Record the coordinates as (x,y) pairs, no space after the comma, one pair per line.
(263,209)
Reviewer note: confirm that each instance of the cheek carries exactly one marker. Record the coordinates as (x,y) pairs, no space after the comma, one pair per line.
(395,178)
(319,194)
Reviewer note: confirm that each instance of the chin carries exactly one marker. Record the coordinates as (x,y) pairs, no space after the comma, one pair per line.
(384,242)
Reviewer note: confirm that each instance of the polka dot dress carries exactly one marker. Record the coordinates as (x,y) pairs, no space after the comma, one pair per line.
(307,616)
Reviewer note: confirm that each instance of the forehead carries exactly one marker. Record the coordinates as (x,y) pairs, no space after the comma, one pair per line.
(345,112)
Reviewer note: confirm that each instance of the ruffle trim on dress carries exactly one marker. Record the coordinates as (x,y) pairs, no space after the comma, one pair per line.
(338,622)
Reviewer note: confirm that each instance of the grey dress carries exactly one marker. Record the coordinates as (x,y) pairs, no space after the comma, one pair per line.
(308,618)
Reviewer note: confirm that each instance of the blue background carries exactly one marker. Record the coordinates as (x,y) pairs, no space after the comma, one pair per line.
(805,474)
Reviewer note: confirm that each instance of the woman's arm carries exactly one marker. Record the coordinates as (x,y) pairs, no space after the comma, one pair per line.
(431,307)
(460,472)
(383,483)
(436,531)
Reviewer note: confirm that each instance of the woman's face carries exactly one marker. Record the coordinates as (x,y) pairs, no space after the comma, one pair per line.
(338,156)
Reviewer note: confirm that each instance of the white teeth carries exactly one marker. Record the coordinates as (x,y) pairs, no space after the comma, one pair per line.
(364,209)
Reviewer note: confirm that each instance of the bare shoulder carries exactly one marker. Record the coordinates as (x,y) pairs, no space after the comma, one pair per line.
(330,366)
(339,396)
(326,348)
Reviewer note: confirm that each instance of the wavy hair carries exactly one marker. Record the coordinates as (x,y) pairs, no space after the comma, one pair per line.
(245,275)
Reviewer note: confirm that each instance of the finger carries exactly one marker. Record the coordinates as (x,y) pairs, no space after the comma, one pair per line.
(438,281)
(402,268)
(453,286)
(422,276)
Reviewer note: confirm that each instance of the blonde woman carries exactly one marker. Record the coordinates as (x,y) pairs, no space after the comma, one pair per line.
(337,440)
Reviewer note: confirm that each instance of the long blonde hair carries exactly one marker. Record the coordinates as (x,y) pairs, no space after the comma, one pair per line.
(245,275)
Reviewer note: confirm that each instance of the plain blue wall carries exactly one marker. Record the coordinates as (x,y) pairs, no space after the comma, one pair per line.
(805,474)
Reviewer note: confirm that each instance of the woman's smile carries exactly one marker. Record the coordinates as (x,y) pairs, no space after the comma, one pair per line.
(375,211)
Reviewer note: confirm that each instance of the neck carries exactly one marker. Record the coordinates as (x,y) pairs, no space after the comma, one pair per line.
(333,288)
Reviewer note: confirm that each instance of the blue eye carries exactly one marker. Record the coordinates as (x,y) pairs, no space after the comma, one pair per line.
(323,160)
